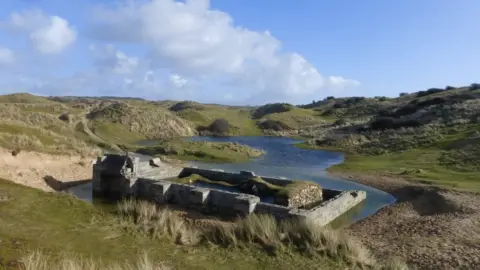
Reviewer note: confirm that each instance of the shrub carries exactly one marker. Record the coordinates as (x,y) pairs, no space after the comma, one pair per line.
(180,106)
(339,105)
(450,87)
(330,98)
(430,91)
(405,110)
(474,86)
(219,126)
(383,123)
(340,122)
(403,94)
(65,117)
(272,108)
(382,98)
(274,125)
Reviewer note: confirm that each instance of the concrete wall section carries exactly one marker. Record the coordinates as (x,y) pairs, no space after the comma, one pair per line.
(335,207)
(232,178)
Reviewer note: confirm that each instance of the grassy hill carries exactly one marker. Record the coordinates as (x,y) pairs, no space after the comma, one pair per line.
(428,136)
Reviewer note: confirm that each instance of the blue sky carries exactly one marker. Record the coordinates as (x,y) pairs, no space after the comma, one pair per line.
(219,51)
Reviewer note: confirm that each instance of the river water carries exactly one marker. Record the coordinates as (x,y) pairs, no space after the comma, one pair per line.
(283,159)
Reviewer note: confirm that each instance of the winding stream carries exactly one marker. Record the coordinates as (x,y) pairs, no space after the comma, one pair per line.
(282,159)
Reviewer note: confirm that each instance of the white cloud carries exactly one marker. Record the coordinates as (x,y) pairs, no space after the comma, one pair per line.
(189,51)
(340,82)
(6,56)
(48,34)
(109,58)
(192,39)
(177,80)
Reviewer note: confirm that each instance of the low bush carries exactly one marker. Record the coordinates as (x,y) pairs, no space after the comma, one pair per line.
(430,91)
(217,127)
(180,106)
(382,123)
(474,86)
(272,108)
(273,125)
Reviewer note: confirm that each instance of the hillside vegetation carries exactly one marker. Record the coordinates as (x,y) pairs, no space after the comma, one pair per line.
(430,136)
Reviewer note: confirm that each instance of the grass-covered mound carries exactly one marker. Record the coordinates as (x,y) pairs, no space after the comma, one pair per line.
(123,123)
(203,151)
(271,108)
(34,123)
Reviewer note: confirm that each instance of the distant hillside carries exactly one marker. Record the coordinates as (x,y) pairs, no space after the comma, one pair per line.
(429,135)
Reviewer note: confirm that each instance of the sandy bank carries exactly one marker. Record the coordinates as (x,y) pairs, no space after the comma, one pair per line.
(39,170)
(429,228)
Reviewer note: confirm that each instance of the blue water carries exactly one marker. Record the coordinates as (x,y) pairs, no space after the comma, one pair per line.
(283,159)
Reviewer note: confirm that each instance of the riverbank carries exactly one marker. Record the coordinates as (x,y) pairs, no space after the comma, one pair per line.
(428,227)
(214,152)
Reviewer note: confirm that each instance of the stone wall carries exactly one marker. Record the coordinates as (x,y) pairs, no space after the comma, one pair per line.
(215,201)
(333,208)
(124,177)
(232,178)
(307,195)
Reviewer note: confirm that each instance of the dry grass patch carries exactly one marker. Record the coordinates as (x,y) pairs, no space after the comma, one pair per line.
(40,261)
(262,231)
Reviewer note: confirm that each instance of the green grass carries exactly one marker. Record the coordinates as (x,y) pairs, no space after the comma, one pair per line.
(32,220)
(25,98)
(238,118)
(202,151)
(115,132)
(416,165)
(298,118)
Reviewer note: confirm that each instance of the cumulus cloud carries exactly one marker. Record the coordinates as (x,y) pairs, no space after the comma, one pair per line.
(6,56)
(177,80)
(107,57)
(192,39)
(48,34)
(188,51)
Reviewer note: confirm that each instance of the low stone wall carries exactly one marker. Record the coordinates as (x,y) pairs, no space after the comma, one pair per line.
(307,195)
(113,174)
(203,199)
(232,178)
(333,208)
(215,201)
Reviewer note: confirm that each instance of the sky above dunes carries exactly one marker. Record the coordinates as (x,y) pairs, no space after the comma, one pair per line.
(237,51)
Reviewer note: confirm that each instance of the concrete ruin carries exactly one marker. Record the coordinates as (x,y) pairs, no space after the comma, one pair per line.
(117,176)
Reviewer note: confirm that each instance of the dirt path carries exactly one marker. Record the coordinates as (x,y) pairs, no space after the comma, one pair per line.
(429,228)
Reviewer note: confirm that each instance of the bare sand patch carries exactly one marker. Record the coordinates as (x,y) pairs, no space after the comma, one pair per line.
(428,227)
(41,171)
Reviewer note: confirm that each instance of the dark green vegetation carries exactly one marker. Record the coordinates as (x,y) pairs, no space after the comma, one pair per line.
(55,224)
(431,136)
(206,151)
